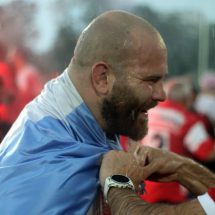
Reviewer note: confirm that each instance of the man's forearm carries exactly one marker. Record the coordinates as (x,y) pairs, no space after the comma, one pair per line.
(126,202)
(196,178)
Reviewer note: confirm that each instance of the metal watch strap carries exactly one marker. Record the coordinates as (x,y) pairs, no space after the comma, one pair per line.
(110,183)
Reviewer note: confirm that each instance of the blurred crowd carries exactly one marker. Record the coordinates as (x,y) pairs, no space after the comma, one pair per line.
(20,82)
(185,124)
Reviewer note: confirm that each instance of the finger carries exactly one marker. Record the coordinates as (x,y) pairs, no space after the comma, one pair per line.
(169,178)
(150,169)
(140,156)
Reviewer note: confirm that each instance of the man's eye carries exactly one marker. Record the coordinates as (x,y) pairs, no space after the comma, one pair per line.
(151,82)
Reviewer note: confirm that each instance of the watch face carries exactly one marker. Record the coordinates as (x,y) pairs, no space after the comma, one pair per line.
(120,178)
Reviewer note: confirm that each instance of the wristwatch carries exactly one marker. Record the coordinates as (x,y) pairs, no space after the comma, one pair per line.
(119,181)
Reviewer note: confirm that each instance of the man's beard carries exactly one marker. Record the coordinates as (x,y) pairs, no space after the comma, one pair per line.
(121,110)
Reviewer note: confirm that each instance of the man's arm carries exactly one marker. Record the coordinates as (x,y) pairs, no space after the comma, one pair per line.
(126,202)
(157,165)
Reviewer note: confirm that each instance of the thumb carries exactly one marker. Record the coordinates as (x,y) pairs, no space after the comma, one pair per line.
(148,170)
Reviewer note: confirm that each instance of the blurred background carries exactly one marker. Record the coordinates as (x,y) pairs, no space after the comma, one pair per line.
(50,28)
(37,38)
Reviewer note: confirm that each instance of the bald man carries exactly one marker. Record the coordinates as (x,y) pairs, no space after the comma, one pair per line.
(50,159)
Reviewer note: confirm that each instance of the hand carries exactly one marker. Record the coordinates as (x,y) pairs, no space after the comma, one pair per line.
(156,162)
(163,166)
(121,163)
(159,165)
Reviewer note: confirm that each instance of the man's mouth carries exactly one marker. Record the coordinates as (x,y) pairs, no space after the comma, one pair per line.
(146,109)
(145,112)
(142,112)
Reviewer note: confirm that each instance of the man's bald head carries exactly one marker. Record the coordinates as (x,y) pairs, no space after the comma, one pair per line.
(113,37)
(118,66)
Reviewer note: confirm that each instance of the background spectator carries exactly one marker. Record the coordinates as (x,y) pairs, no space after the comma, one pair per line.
(28,79)
(205,101)
(174,127)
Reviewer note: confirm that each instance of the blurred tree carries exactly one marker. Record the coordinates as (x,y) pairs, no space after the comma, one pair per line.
(180,35)
(62,51)
(71,21)
(212,46)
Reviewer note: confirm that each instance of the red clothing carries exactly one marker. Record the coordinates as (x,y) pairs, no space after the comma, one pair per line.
(4,113)
(124,142)
(211,193)
(7,76)
(8,92)
(174,128)
(164,192)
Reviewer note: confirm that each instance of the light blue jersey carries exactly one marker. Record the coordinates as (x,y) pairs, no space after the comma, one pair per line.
(50,159)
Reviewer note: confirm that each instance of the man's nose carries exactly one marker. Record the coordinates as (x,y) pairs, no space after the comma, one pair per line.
(158,93)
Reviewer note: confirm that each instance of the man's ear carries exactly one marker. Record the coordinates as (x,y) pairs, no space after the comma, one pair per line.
(99,76)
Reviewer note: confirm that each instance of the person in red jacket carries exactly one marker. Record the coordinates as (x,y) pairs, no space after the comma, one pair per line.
(7,93)
(174,127)
(5,100)
(28,78)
